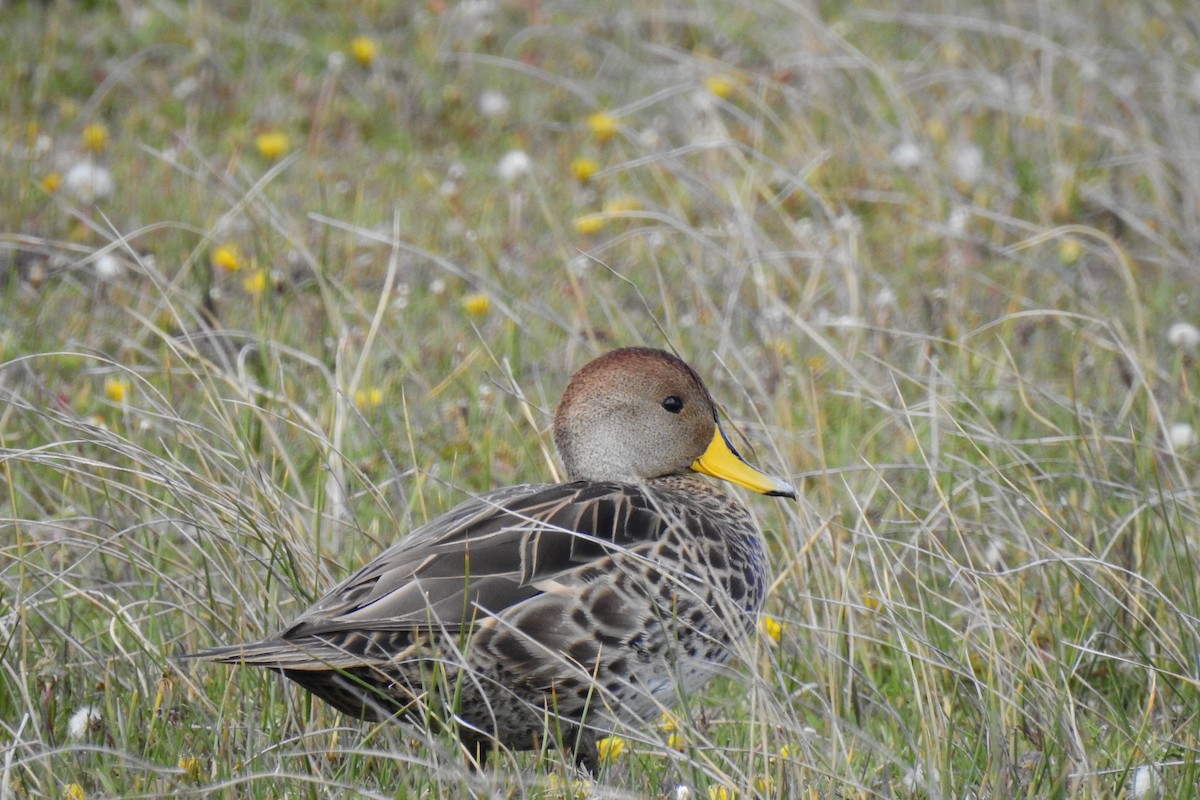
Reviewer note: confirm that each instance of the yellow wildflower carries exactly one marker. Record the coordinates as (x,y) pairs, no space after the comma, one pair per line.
(51,181)
(871,601)
(115,389)
(74,792)
(477,304)
(272,145)
(935,129)
(95,138)
(602,125)
(1069,251)
(584,168)
(610,748)
(719,792)
(719,85)
(256,282)
(675,741)
(771,628)
(227,257)
(191,767)
(369,398)
(589,224)
(364,50)
(619,205)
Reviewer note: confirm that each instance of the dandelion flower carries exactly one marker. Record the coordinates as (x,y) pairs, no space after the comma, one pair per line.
(719,792)
(584,168)
(602,125)
(95,138)
(513,166)
(364,50)
(51,181)
(89,182)
(1184,335)
(771,628)
(368,399)
(1182,436)
(191,768)
(86,718)
(720,86)
(621,205)
(610,748)
(227,257)
(589,224)
(74,792)
(115,389)
(935,129)
(493,103)
(477,305)
(272,145)
(675,741)
(255,283)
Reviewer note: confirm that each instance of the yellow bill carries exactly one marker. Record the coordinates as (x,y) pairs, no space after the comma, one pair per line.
(722,461)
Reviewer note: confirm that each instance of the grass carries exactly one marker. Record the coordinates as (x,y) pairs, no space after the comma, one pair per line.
(928,263)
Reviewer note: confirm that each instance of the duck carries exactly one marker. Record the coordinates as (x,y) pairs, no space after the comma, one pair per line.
(557,612)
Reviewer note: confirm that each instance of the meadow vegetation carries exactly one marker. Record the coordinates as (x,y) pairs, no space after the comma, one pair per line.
(281,280)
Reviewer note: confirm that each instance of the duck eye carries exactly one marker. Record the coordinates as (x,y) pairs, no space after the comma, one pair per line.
(673,404)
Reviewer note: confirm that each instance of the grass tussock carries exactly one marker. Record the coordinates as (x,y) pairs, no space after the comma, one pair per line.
(278,283)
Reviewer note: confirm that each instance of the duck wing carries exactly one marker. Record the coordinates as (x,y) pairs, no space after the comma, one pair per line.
(484,556)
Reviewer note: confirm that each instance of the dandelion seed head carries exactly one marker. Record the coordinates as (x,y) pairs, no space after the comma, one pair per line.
(493,103)
(907,155)
(1182,436)
(108,267)
(966,164)
(513,166)
(85,719)
(89,182)
(1184,335)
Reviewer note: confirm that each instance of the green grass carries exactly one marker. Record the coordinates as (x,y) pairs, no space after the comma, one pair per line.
(990,588)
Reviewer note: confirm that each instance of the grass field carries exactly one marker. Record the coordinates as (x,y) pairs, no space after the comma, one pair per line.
(281,280)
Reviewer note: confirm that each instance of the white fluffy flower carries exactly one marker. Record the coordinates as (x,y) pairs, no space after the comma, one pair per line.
(966,162)
(907,155)
(1182,436)
(493,103)
(108,268)
(85,719)
(513,166)
(1184,335)
(89,182)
